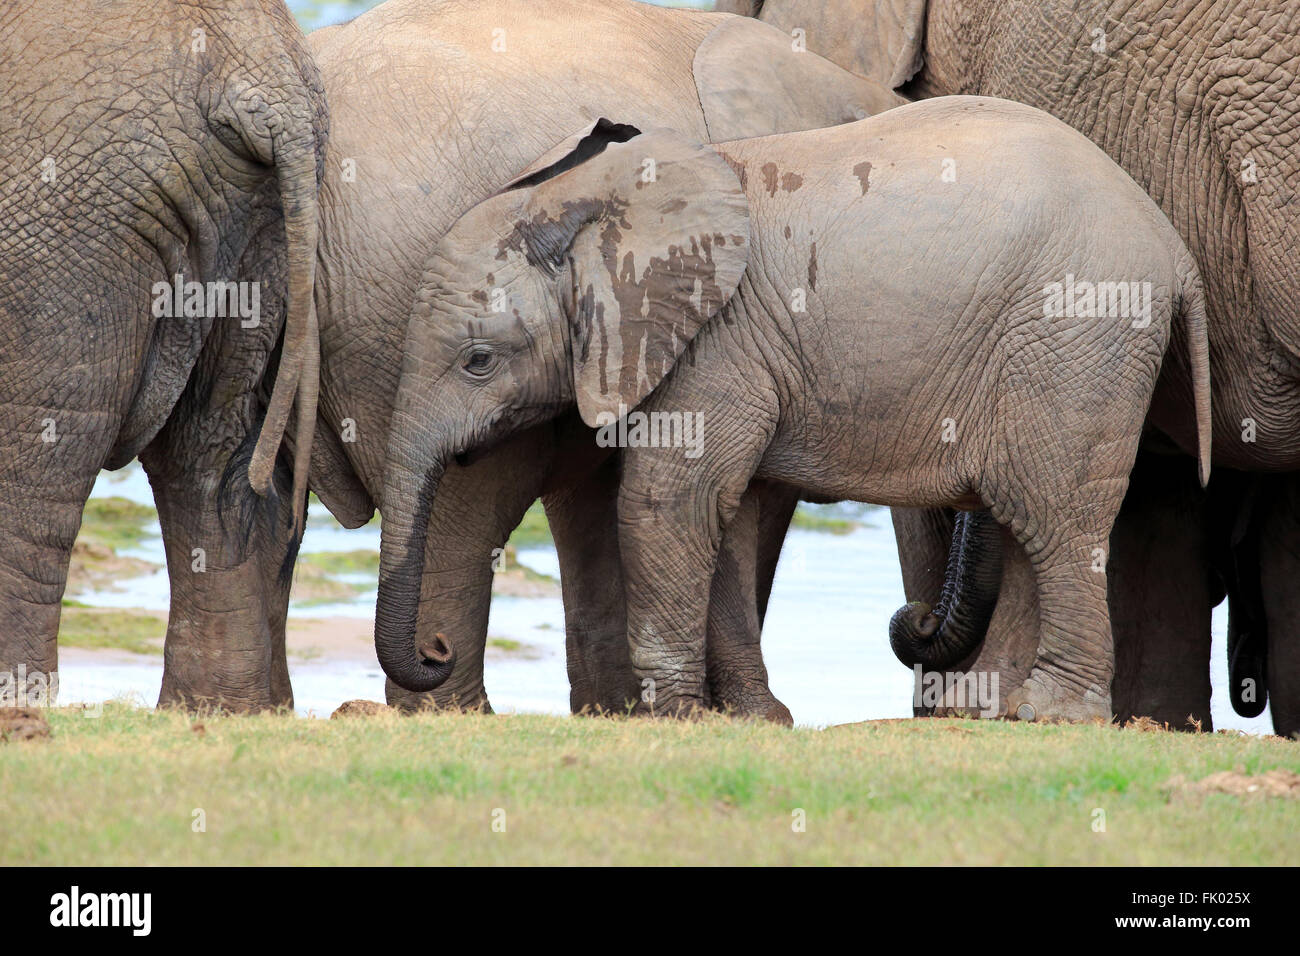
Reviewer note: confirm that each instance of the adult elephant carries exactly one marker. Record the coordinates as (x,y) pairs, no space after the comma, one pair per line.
(143,145)
(435,106)
(1198,102)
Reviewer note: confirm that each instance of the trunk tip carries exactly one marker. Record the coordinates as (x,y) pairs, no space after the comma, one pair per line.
(438,651)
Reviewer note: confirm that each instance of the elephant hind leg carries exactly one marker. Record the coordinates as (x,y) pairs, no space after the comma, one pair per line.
(1061,504)
(1279,570)
(1161,597)
(43,492)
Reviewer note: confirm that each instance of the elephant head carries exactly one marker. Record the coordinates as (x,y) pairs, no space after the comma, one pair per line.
(580,283)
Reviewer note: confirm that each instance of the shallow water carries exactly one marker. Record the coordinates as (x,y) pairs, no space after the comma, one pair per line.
(824,639)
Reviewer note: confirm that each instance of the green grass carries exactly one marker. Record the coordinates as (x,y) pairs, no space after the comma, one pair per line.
(81,625)
(533,529)
(123,789)
(115,522)
(361,561)
(807,520)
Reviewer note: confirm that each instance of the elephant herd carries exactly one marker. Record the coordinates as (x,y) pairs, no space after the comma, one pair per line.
(1020,269)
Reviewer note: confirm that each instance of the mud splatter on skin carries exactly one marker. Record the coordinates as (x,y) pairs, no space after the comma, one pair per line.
(737,167)
(544,240)
(812,268)
(773,179)
(863,172)
(665,289)
(656,301)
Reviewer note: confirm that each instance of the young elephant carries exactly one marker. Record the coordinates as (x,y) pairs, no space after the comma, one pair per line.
(907,312)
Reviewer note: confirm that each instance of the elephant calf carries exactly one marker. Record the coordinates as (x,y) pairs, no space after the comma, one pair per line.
(961,302)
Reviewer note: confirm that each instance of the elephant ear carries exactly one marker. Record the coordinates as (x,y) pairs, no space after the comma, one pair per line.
(752,82)
(657,233)
(881,40)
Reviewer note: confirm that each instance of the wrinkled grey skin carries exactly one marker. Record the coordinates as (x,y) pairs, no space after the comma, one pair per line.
(176,137)
(845,321)
(1198,102)
(465,119)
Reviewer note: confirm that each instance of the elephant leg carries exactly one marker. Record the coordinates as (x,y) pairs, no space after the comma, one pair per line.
(583,516)
(229,562)
(777,505)
(44,484)
(673,515)
(1158,590)
(922,536)
(1279,562)
(737,678)
(1064,521)
(1160,595)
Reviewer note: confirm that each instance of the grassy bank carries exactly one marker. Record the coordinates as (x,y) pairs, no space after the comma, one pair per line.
(124,788)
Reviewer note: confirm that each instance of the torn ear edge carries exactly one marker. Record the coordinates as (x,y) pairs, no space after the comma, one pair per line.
(573,151)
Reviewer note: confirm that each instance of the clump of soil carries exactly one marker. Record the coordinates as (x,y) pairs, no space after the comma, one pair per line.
(22,723)
(1270,783)
(1147,725)
(361,708)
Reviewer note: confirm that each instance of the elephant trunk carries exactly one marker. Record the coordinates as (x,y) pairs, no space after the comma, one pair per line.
(410,484)
(299,372)
(946,635)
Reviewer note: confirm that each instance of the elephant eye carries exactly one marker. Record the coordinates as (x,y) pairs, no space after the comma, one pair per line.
(479,361)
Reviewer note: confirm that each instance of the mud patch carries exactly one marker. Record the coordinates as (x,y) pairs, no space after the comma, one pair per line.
(22,723)
(1147,725)
(361,708)
(1270,783)
(863,172)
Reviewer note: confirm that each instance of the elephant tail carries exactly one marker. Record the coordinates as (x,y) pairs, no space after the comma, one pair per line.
(1196,334)
(298,378)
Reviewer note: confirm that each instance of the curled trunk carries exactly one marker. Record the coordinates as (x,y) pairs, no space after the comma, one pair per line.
(941,637)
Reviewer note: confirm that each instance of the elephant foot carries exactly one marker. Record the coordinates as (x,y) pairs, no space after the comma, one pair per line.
(673,708)
(756,706)
(473,701)
(1042,699)
(778,713)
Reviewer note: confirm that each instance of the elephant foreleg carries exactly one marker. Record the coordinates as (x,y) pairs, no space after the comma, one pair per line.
(583,516)
(742,581)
